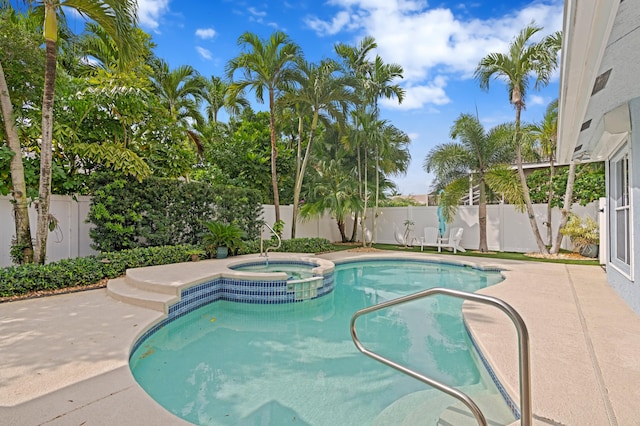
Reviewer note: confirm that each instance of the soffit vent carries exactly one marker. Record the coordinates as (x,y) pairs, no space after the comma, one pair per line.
(601,81)
(585,125)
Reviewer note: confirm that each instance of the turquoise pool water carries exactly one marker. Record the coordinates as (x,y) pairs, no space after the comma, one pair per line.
(239,364)
(293,271)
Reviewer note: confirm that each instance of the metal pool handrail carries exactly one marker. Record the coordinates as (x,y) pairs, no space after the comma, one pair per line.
(526,415)
(266,252)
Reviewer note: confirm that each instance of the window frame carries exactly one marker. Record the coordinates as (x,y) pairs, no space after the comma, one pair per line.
(620,203)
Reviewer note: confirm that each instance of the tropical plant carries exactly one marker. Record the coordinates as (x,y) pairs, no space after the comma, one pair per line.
(19,51)
(118,18)
(220,234)
(545,134)
(216,96)
(180,91)
(333,191)
(357,65)
(523,60)
(583,232)
(326,94)
(478,153)
(266,65)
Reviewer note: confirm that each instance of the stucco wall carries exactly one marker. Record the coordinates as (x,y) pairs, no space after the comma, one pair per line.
(629,289)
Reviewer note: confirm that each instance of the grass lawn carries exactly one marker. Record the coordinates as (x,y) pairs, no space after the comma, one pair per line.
(573,258)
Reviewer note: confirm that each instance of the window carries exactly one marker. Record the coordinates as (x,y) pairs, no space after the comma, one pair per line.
(620,213)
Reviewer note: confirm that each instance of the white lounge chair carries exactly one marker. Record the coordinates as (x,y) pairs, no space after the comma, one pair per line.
(452,241)
(430,237)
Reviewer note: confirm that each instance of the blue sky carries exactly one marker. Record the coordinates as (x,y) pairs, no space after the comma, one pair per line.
(437,43)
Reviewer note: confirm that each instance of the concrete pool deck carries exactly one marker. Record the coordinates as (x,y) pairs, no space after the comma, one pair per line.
(64,359)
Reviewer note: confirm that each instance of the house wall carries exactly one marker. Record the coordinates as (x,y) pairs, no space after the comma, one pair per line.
(628,287)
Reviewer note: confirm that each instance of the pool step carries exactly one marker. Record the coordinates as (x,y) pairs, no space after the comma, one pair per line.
(123,291)
(492,406)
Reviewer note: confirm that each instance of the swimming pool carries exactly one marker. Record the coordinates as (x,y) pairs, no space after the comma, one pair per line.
(232,363)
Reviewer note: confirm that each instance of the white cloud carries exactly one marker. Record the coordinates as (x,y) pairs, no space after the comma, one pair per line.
(337,24)
(151,11)
(429,41)
(204,53)
(205,33)
(256,15)
(420,95)
(536,100)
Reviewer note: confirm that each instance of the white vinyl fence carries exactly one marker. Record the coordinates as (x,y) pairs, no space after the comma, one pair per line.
(69,239)
(507,229)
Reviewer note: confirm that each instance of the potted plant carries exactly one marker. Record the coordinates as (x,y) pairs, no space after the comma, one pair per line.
(584,234)
(222,238)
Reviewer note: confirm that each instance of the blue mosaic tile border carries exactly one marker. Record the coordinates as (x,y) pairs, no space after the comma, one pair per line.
(235,290)
(515,410)
(275,262)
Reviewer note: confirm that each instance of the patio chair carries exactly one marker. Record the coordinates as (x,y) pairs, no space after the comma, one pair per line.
(430,237)
(452,241)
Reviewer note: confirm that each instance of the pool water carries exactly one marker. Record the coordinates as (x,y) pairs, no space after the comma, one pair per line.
(243,364)
(293,271)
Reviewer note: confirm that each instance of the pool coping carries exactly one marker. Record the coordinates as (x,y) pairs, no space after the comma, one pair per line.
(585,341)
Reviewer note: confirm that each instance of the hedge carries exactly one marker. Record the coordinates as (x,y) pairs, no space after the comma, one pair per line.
(156,212)
(84,271)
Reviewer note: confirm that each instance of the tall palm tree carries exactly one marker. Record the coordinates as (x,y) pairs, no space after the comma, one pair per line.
(545,134)
(325,94)
(20,48)
(478,153)
(524,60)
(265,65)
(356,63)
(216,97)
(380,84)
(118,18)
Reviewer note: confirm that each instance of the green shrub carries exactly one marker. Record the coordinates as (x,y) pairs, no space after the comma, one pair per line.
(83,271)
(295,245)
(130,214)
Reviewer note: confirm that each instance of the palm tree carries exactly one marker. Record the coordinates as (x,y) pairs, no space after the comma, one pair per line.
(265,65)
(358,66)
(180,91)
(118,18)
(523,60)
(326,95)
(20,49)
(379,84)
(334,191)
(478,153)
(18,183)
(216,97)
(545,134)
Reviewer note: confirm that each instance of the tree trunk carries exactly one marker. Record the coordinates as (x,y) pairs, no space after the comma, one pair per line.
(482,216)
(525,188)
(296,195)
(366,199)
(375,212)
(341,228)
(46,153)
(354,231)
(274,154)
(552,173)
(300,174)
(566,208)
(19,192)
